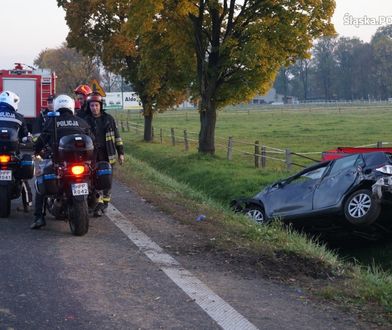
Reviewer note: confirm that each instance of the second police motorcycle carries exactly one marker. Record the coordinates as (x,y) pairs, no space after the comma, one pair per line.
(71,177)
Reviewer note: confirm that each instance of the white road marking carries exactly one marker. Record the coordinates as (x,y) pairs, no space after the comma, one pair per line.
(219,310)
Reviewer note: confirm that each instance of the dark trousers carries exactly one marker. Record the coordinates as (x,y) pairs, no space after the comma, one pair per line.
(39,205)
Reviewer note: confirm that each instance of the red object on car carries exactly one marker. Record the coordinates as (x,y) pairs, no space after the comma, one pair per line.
(345,151)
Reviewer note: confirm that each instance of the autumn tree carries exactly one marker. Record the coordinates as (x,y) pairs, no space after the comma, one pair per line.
(239,46)
(144,60)
(72,68)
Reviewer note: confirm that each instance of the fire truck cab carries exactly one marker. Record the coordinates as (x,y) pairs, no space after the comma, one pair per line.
(33,87)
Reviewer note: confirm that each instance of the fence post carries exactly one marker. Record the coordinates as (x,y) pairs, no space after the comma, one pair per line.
(379,144)
(230,148)
(152,133)
(263,156)
(122,126)
(257,154)
(161,135)
(127,126)
(186,143)
(173,137)
(288,159)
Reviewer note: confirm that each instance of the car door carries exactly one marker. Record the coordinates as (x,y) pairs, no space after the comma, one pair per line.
(340,177)
(295,196)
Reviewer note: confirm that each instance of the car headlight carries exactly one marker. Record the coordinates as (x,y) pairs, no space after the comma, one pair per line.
(387,169)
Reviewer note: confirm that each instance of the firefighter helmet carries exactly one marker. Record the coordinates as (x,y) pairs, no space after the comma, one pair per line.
(10,98)
(83,89)
(94,97)
(64,102)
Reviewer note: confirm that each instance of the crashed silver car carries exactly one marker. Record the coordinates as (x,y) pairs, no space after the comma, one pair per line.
(353,189)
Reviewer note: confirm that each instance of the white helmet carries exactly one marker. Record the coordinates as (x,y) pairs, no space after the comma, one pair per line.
(10,98)
(64,102)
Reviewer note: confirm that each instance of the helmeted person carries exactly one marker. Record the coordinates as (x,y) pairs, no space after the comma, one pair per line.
(82,92)
(10,118)
(39,122)
(67,123)
(108,141)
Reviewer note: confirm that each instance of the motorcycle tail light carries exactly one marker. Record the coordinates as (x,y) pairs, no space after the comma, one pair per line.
(5,159)
(77,169)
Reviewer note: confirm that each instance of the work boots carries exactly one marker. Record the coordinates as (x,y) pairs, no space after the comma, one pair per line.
(38,222)
(99,210)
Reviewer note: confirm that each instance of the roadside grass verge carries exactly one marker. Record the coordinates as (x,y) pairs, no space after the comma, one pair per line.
(278,251)
(226,229)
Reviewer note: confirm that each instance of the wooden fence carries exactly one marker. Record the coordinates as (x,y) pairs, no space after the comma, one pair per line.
(261,154)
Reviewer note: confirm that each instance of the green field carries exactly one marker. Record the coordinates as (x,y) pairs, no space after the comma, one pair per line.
(300,130)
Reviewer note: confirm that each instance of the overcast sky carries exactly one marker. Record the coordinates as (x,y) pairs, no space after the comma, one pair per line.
(29,26)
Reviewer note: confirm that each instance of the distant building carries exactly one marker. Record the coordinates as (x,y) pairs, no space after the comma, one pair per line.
(272,97)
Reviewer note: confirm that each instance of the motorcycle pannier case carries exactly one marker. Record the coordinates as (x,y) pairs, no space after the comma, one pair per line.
(9,141)
(103,175)
(26,168)
(47,183)
(75,148)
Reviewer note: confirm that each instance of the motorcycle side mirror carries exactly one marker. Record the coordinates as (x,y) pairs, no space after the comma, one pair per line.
(53,114)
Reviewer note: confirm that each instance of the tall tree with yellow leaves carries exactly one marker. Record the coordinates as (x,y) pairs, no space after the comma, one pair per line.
(147,61)
(238,46)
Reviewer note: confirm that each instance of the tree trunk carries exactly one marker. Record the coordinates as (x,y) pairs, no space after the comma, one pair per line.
(207,127)
(147,123)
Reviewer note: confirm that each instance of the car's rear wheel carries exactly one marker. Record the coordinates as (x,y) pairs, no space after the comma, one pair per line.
(361,208)
(256,213)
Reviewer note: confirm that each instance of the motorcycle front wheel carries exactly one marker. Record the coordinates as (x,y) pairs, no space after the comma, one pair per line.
(5,202)
(78,217)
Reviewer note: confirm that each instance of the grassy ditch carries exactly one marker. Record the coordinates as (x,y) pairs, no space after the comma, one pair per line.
(186,185)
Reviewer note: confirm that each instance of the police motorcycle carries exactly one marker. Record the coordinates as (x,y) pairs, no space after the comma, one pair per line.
(70,179)
(14,169)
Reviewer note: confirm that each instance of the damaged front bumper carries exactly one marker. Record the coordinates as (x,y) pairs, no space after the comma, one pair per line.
(382,189)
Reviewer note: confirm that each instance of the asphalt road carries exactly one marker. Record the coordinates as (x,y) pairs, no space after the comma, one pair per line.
(112,279)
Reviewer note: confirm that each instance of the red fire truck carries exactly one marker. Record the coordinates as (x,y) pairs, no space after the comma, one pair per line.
(33,87)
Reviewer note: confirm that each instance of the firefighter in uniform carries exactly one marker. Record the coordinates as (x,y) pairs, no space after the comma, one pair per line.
(67,124)
(82,92)
(10,118)
(107,142)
